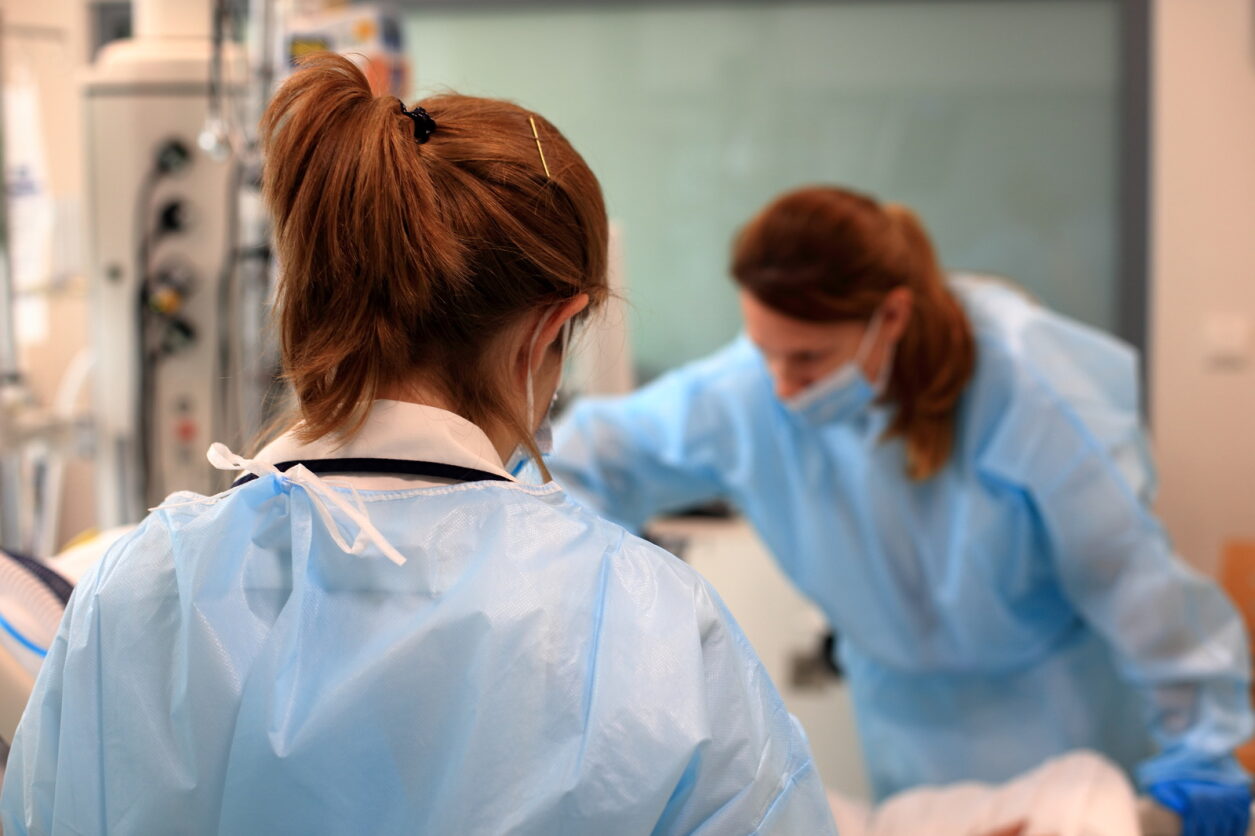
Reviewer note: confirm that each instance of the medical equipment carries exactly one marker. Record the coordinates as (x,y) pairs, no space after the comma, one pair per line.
(162,238)
(179,258)
(32,599)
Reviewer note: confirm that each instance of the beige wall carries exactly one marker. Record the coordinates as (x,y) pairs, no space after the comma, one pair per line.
(1203,262)
(47,41)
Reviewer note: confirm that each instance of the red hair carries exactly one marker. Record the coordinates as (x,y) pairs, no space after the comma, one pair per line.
(826,254)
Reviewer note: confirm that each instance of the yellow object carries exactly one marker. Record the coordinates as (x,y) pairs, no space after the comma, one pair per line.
(83,537)
(166,300)
(539,147)
(298,48)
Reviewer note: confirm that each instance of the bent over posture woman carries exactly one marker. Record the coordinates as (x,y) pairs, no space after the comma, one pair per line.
(958,478)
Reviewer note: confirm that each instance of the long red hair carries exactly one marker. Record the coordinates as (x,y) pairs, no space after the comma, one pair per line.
(827,254)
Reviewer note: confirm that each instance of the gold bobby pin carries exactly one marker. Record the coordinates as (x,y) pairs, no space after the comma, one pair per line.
(539,147)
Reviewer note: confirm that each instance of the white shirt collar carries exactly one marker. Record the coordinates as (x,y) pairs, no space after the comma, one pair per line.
(398,430)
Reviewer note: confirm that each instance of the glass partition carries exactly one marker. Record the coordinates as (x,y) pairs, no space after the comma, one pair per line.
(997,122)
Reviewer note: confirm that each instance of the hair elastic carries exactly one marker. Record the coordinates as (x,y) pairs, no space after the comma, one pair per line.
(424,125)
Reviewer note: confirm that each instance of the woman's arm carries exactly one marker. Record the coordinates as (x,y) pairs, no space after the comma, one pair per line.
(656,450)
(1176,636)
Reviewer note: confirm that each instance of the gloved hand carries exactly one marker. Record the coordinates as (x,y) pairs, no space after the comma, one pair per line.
(1206,808)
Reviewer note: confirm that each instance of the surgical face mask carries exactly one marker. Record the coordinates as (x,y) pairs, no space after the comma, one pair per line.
(543,437)
(846,393)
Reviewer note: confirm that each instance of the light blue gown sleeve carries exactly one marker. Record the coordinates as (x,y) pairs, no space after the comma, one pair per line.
(632,457)
(1175,635)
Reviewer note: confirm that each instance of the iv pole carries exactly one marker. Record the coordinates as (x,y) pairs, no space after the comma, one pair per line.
(12,392)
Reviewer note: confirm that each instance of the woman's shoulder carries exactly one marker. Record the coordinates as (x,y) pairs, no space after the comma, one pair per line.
(1034,346)
(1044,382)
(726,374)
(137,556)
(494,538)
(620,548)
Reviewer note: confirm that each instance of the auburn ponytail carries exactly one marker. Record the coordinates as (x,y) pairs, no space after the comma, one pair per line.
(935,357)
(402,253)
(826,254)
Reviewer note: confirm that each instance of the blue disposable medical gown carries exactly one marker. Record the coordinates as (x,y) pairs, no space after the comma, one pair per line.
(1021,603)
(531,669)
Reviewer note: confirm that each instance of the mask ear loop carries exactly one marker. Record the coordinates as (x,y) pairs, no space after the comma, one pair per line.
(542,435)
(865,345)
(564,337)
(869,337)
(531,378)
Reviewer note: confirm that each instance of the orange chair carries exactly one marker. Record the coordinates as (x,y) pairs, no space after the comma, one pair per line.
(1237,576)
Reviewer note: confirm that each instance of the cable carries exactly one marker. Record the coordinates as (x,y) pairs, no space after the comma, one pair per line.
(228,368)
(143,227)
(35,592)
(21,639)
(212,139)
(172,156)
(52,580)
(235,91)
(223,134)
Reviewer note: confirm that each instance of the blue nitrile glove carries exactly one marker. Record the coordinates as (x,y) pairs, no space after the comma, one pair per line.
(1206,808)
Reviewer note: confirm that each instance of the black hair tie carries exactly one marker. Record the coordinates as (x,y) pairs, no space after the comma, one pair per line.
(424,125)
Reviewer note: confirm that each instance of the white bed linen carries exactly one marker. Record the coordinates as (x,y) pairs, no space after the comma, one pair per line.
(1078,794)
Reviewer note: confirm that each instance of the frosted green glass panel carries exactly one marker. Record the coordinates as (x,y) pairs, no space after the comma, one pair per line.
(995,121)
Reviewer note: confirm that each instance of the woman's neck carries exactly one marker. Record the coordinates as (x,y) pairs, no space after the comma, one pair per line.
(503,441)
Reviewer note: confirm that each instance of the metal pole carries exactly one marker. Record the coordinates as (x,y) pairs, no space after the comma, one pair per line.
(11,488)
(8,337)
(1134,287)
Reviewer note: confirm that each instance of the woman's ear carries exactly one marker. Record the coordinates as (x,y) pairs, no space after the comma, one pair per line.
(897,312)
(550,324)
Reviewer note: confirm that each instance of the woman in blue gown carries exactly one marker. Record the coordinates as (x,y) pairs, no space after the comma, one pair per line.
(378,630)
(958,478)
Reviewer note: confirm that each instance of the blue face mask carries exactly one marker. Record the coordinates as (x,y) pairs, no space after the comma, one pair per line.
(846,393)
